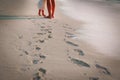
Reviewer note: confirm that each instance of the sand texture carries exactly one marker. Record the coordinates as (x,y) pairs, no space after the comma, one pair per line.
(35,48)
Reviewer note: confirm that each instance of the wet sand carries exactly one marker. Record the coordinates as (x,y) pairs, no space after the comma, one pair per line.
(101,23)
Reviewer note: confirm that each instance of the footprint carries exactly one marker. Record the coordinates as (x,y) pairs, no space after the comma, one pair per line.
(69,35)
(24,69)
(49,36)
(20,37)
(71,43)
(42,26)
(93,78)
(80,52)
(26,52)
(49,31)
(37,77)
(38,48)
(40,33)
(80,62)
(41,41)
(66,26)
(43,70)
(35,61)
(104,69)
(42,56)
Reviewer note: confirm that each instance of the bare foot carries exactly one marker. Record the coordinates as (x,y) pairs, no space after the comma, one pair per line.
(39,14)
(43,15)
(50,17)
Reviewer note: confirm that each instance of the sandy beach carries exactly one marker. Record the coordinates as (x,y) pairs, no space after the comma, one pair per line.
(35,48)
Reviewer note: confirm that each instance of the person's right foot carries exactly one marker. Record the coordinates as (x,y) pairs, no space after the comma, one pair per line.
(50,17)
(39,12)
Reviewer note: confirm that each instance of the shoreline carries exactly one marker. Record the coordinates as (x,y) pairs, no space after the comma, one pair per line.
(100,28)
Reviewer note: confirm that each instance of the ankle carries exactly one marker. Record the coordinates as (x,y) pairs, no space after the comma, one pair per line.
(39,12)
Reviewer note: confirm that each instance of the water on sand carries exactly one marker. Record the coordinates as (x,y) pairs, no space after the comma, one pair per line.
(102,20)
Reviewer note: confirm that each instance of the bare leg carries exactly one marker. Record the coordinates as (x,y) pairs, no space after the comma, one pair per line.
(53,8)
(43,13)
(49,7)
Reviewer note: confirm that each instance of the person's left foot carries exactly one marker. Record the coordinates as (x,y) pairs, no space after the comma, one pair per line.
(43,15)
(39,14)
